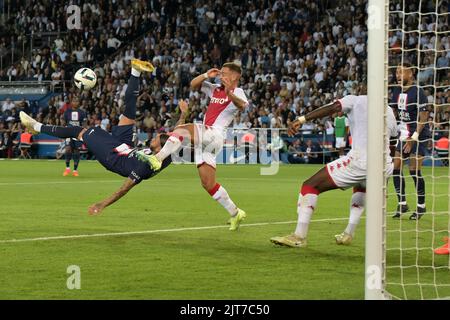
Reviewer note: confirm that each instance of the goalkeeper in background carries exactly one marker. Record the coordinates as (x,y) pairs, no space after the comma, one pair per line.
(410,102)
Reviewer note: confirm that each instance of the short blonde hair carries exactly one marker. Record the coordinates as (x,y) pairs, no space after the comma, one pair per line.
(234,66)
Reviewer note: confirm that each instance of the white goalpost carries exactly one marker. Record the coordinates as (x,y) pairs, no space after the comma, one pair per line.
(401,262)
(376,52)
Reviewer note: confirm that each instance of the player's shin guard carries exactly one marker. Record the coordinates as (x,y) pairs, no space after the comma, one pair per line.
(357,204)
(221,196)
(399,184)
(62,132)
(306,204)
(172,144)
(131,95)
(419,182)
(76,160)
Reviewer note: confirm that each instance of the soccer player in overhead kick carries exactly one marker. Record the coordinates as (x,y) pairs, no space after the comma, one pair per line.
(411,103)
(73,117)
(226,99)
(114,151)
(348,171)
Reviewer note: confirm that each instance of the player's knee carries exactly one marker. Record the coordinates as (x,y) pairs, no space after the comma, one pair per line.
(310,183)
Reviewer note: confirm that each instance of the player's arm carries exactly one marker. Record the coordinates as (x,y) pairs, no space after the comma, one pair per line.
(196,83)
(423,114)
(184,107)
(239,102)
(423,119)
(326,110)
(98,207)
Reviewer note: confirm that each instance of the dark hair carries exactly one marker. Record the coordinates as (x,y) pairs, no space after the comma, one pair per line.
(163,139)
(233,66)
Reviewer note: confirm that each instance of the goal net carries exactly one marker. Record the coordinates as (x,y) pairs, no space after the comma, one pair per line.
(418,37)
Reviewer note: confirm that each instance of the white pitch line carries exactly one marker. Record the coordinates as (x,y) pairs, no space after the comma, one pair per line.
(113,234)
(56,182)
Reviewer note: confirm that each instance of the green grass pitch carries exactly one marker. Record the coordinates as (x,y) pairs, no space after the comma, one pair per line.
(175,258)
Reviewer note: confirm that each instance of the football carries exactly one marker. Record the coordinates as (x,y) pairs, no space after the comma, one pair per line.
(85,78)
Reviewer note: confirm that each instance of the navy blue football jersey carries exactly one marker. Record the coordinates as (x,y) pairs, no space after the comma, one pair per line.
(124,161)
(408,104)
(118,155)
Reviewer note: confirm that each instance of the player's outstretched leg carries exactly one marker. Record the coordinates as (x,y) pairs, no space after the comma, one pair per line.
(173,144)
(56,131)
(357,204)
(307,200)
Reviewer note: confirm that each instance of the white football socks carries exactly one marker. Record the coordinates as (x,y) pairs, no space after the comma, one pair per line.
(221,196)
(305,208)
(172,144)
(357,204)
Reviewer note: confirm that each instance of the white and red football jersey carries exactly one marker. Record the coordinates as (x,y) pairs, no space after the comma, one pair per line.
(355,107)
(221,110)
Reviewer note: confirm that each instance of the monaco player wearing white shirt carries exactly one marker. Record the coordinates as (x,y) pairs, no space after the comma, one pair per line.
(226,100)
(348,171)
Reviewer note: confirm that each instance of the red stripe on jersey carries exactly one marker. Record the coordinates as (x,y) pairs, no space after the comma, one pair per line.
(218,102)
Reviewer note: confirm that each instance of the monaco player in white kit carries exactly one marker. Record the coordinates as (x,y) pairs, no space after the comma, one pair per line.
(348,171)
(226,99)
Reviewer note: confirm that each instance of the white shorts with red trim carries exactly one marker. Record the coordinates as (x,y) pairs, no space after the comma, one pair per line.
(209,142)
(349,171)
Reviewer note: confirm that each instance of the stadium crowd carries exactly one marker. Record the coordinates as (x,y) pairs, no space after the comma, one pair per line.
(295,56)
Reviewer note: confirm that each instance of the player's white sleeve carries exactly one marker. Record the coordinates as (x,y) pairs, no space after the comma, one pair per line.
(392,127)
(238,92)
(347,124)
(347,103)
(207,88)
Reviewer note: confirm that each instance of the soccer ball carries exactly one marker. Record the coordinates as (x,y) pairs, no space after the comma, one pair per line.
(85,78)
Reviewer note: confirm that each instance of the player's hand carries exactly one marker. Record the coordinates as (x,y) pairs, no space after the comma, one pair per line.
(212,73)
(294,126)
(227,84)
(96,209)
(407,147)
(184,106)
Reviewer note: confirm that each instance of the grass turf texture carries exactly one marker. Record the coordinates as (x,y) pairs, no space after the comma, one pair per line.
(191,264)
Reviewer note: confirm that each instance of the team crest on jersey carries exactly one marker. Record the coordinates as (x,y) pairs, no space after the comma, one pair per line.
(402,101)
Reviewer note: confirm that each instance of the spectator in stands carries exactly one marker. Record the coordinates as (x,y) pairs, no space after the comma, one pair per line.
(295,152)
(310,152)
(8,105)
